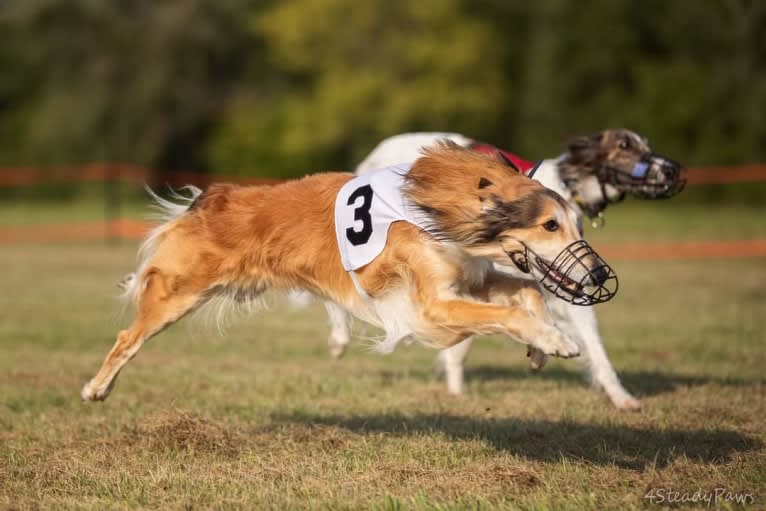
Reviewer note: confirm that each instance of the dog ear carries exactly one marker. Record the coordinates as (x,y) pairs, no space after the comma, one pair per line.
(484,182)
(585,148)
(586,142)
(579,144)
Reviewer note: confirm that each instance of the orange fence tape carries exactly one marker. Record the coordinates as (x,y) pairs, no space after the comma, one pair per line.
(654,250)
(723,175)
(79,231)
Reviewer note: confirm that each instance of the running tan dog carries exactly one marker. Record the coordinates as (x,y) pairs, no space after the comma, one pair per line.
(435,285)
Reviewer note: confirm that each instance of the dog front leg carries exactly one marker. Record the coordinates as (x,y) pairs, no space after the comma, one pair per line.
(501,290)
(582,322)
(450,321)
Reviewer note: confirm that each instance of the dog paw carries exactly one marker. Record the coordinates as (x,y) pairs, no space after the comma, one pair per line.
(92,393)
(553,342)
(338,343)
(537,359)
(337,350)
(629,404)
(626,402)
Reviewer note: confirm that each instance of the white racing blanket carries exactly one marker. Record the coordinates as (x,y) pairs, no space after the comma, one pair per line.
(367,205)
(365,208)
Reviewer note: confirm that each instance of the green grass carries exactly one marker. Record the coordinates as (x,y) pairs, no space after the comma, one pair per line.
(699,213)
(85,204)
(665,221)
(721,212)
(262,418)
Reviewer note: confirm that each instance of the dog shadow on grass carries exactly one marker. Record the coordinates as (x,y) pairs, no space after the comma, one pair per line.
(624,446)
(641,383)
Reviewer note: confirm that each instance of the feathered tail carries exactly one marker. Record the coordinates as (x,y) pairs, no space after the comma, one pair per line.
(166,211)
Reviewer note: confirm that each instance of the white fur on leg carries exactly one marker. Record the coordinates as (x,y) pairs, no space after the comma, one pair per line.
(581,321)
(340,334)
(451,362)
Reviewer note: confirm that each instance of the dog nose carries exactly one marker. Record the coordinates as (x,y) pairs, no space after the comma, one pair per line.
(671,170)
(662,170)
(599,275)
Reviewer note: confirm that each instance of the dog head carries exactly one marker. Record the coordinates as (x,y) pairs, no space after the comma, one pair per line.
(601,169)
(473,201)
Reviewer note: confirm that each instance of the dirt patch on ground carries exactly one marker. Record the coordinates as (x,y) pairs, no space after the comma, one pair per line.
(178,430)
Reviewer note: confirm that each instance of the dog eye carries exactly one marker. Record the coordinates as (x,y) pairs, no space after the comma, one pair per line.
(624,144)
(551,225)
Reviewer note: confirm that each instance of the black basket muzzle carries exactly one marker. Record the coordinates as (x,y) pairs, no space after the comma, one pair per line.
(577,275)
(652,177)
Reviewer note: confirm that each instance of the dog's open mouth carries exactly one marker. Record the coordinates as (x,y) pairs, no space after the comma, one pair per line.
(562,281)
(577,275)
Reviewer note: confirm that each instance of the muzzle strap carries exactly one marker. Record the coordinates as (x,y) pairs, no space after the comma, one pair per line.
(640,170)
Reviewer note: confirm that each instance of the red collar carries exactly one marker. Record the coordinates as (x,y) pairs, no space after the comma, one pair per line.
(513,160)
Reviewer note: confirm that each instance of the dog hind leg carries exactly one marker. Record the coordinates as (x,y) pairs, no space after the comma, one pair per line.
(165,298)
(340,335)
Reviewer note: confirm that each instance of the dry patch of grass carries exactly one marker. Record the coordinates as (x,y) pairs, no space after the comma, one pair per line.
(182,431)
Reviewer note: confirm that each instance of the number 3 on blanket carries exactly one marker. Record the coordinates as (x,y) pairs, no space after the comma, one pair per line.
(361,214)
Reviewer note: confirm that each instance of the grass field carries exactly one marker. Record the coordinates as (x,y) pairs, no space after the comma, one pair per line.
(733,212)
(262,418)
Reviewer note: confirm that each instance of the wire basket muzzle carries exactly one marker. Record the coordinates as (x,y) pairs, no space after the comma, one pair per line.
(577,275)
(652,177)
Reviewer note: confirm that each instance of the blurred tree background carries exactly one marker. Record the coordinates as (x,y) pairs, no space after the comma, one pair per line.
(280,88)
